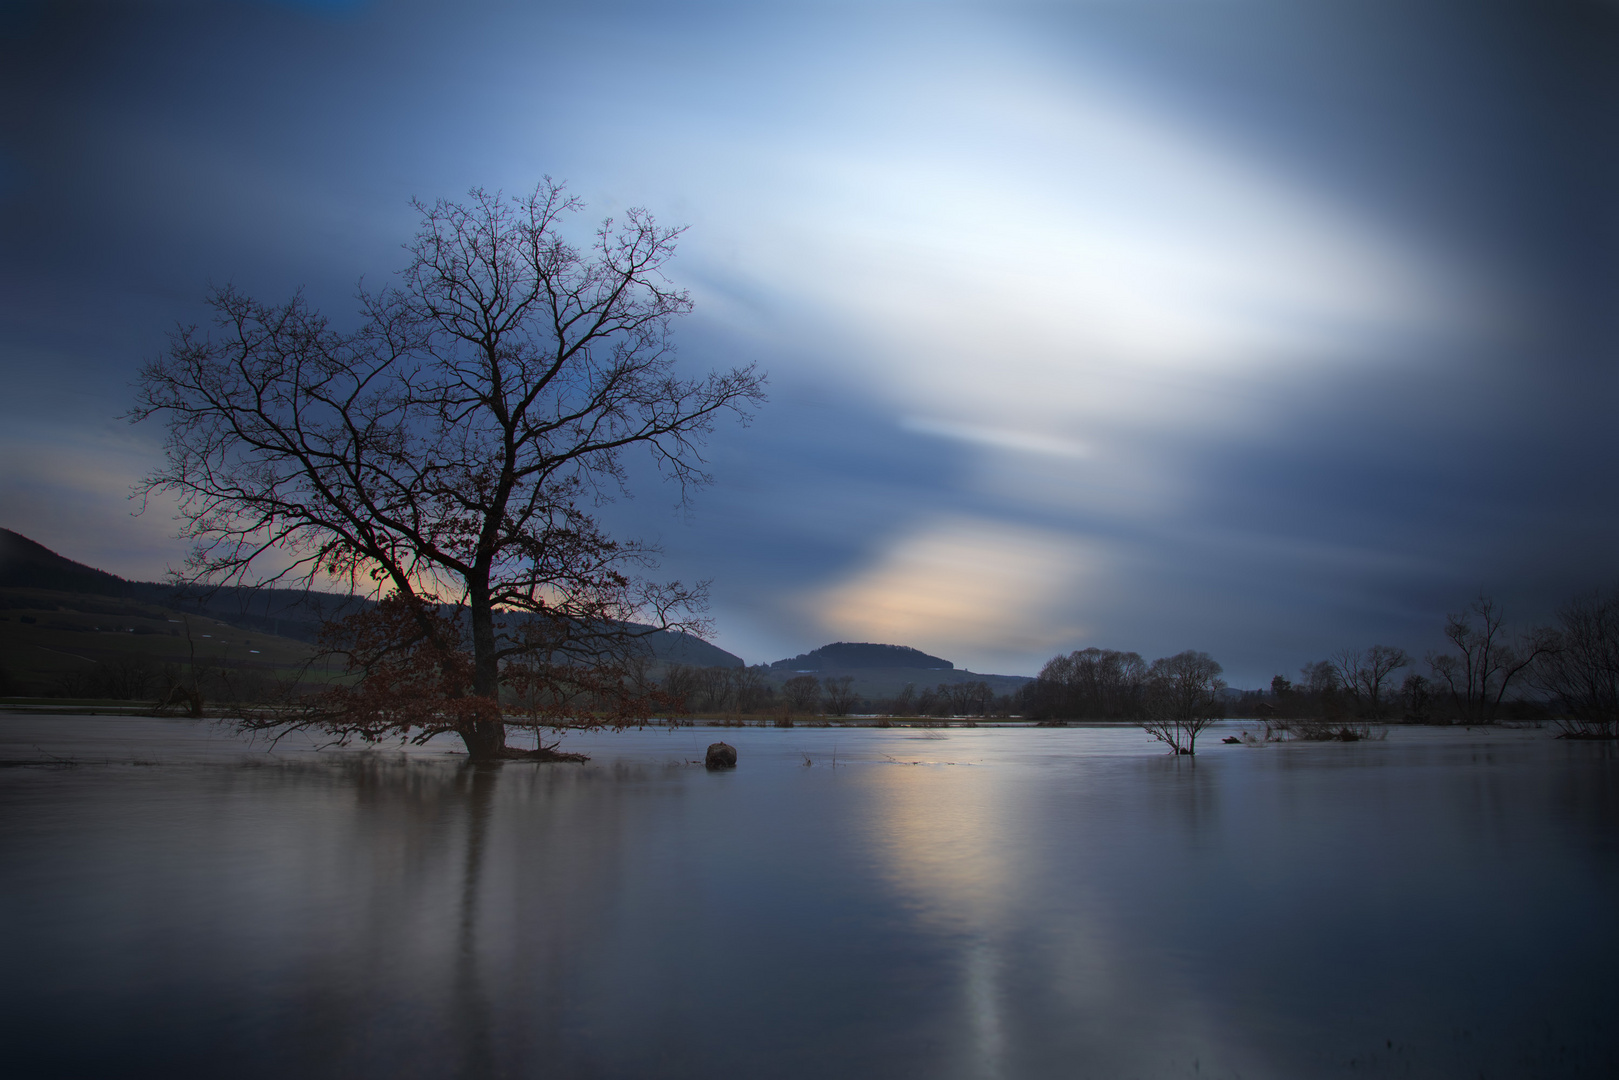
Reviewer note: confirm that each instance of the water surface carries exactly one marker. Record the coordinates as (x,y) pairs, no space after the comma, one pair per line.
(850,903)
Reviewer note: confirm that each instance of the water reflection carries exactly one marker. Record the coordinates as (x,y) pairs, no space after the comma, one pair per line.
(471,1005)
(1052,904)
(940,837)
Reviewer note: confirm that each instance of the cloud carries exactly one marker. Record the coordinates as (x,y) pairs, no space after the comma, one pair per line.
(978,592)
(1023,442)
(1022,242)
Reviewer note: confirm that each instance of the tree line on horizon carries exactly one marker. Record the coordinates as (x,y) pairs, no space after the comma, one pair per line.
(1567,672)
(743,691)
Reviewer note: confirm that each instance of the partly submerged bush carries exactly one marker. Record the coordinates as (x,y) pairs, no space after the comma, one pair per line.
(1317,729)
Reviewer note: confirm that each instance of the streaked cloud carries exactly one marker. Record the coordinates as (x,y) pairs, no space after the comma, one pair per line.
(1031,241)
(1022,442)
(973,591)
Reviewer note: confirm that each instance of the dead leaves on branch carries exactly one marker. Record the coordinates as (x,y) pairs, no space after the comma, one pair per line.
(411,675)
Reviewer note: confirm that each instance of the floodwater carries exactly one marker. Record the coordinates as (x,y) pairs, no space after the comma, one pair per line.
(847,903)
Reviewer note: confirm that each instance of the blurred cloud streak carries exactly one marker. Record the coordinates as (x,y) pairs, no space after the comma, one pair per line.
(978,592)
(1023,442)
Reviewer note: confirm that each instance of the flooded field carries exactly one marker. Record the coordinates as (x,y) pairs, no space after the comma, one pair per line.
(848,902)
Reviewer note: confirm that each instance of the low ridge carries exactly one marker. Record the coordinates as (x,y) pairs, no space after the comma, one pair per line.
(295,614)
(855,655)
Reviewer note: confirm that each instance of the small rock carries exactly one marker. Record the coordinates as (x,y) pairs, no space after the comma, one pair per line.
(721,756)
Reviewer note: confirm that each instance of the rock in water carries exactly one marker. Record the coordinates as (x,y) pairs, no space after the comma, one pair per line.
(721,756)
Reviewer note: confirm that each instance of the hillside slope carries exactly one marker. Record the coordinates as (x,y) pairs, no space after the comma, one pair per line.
(62,622)
(25,564)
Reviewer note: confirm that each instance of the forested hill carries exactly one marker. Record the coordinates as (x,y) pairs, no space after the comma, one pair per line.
(296,614)
(27,565)
(853,656)
(290,613)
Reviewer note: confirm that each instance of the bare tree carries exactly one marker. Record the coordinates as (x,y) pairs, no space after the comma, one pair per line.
(1182,698)
(714,689)
(1485,662)
(1366,674)
(840,695)
(965,698)
(1416,697)
(1320,677)
(1579,665)
(753,694)
(680,684)
(903,703)
(448,452)
(979,697)
(803,693)
(957,698)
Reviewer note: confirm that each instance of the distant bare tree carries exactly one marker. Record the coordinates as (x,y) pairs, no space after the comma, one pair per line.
(1579,665)
(902,703)
(957,697)
(840,695)
(965,698)
(714,687)
(1318,678)
(803,693)
(1182,699)
(752,693)
(1416,697)
(1365,674)
(680,686)
(1485,662)
(979,697)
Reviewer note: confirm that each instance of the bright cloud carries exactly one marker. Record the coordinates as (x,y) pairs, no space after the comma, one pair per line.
(1021,244)
(1023,442)
(970,590)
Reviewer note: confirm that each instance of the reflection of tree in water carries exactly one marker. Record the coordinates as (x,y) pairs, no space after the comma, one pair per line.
(470,1006)
(435,918)
(1183,802)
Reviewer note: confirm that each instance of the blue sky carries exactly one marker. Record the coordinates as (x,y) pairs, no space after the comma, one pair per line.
(1265,329)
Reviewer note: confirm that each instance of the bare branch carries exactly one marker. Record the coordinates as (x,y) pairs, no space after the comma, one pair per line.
(444,451)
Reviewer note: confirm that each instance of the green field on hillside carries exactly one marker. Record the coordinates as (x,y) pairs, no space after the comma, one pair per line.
(87,645)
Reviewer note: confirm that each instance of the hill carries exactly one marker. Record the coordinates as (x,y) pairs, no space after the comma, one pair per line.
(874,684)
(858,656)
(883,671)
(62,621)
(25,564)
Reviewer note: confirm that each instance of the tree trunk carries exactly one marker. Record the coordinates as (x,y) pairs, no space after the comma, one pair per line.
(486,736)
(485,739)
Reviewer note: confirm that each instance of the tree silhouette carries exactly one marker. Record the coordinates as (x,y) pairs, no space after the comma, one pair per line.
(803,693)
(449,451)
(1579,665)
(840,695)
(1182,698)
(1486,660)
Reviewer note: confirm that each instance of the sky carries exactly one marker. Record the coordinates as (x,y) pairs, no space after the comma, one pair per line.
(1266,329)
